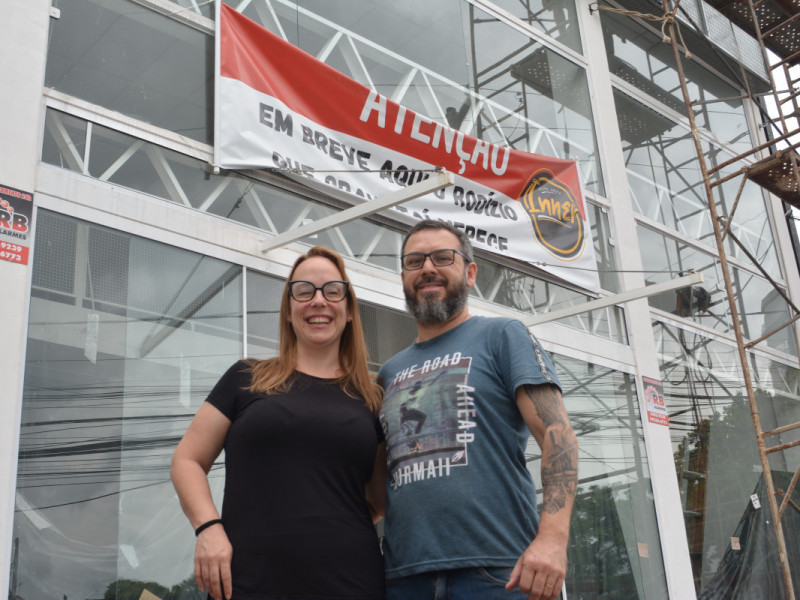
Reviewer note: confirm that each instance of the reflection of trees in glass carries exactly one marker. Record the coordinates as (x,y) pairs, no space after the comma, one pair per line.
(715,464)
(131,589)
(597,545)
(691,465)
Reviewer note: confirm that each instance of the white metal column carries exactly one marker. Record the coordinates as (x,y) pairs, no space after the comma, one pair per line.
(23,50)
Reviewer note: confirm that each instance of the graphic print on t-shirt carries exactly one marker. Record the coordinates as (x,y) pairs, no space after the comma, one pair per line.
(428,419)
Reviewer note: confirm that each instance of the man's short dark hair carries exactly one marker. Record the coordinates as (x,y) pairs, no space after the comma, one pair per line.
(463,239)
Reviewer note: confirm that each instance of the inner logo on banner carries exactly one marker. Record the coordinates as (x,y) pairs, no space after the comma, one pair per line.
(557,220)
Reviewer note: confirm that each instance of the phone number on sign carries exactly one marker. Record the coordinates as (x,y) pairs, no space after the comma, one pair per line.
(10,247)
(10,256)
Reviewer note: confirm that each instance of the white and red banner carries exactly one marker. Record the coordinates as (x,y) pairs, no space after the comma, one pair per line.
(278,107)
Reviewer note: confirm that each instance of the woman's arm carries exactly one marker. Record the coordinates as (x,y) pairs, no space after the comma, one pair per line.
(191,462)
(376,487)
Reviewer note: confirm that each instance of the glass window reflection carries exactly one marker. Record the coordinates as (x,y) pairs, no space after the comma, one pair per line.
(664,258)
(640,58)
(558,20)
(666,184)
(123,56)
(714,447)
(761,308)
(119,356)
(614,548)
(545,95)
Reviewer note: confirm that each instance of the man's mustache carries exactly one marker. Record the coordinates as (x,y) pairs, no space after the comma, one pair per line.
(431,279)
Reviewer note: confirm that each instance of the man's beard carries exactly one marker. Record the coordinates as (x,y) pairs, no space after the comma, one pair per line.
(433,310)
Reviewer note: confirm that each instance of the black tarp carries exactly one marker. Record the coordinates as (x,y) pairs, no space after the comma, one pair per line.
(753,572)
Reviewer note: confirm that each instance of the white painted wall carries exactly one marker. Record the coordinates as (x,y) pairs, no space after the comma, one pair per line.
(23,49)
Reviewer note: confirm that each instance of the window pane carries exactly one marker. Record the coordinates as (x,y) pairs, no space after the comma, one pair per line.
(664,258)
(557,19)
(64,143)
(413,29)
(614,541)
(750,224)
(639,57)
(121,351)
(263,310)
(717,460)
(761,308)
(386,332)
(545,97)
(667,185)
(124,56)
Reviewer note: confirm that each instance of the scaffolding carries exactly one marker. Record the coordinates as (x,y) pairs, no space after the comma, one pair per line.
(773,165)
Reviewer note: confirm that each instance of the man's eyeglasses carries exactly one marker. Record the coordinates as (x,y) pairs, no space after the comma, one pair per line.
(332,291)
(414,261)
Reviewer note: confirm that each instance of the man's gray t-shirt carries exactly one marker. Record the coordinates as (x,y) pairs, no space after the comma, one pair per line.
(460,494)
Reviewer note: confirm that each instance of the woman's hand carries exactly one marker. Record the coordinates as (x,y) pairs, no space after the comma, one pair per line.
(212,562)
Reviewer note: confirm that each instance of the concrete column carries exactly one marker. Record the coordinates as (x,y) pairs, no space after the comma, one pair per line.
(23,51)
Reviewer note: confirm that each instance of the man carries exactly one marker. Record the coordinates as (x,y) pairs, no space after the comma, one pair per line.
(461,519)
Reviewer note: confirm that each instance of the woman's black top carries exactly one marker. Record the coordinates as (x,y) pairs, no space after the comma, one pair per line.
(294,508)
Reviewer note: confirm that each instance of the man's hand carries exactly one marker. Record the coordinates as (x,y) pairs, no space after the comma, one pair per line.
(541,569)
(212,563)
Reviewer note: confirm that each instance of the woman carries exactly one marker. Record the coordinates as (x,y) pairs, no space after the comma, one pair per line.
(304,456)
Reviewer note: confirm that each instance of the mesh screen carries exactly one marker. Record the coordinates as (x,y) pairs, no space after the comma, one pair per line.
(386,332)
(54,253)
(107,276)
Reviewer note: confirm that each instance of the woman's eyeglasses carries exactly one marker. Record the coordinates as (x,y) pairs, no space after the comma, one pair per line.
(304,291)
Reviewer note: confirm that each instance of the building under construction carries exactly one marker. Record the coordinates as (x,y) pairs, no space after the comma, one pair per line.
(134,275)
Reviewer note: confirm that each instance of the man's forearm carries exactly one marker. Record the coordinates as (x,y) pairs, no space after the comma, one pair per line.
(559,449)
(559,470)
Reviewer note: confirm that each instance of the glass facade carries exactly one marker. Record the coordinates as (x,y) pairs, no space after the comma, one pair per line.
(639,57)
(614,546)
(667,186)
(127,333)
(761,308)
(714,448)
(558,21)
(127,336)
(124,56)
(713,444)
(114,157)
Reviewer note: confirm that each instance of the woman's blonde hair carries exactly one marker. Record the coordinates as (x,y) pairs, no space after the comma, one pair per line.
(274,375)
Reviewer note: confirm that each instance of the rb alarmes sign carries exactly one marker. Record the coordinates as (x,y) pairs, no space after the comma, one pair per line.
(16,220)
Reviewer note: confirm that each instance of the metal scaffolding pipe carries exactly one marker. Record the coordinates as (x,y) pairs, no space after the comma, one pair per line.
(734,311)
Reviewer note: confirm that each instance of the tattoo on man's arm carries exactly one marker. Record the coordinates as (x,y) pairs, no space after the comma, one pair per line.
(559,470)
(560,451)
(547,403)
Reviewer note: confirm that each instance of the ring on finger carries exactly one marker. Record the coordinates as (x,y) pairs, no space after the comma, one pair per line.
(547,585)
